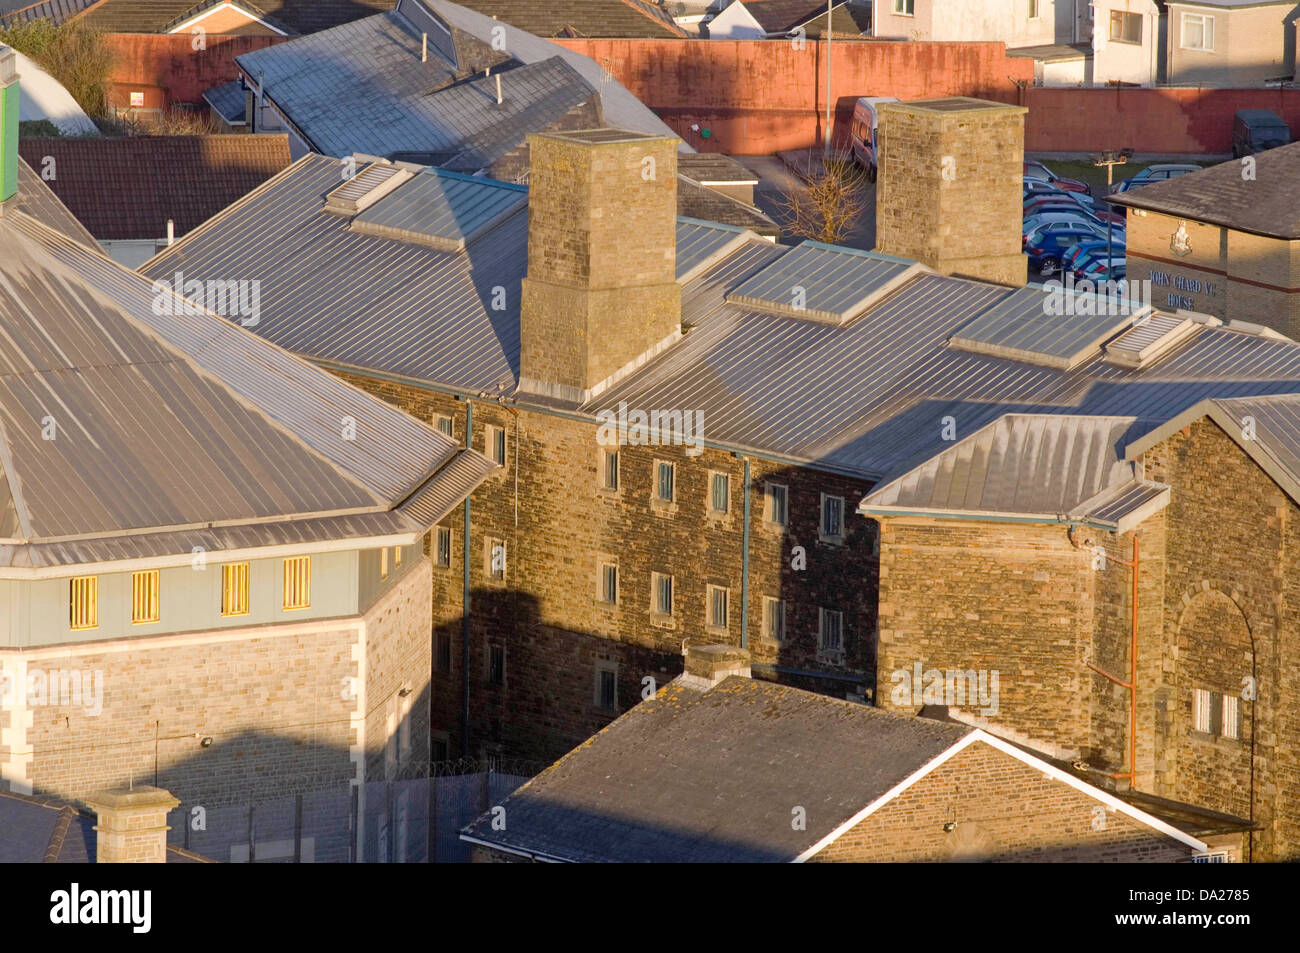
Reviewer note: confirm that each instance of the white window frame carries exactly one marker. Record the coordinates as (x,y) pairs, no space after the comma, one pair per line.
(606,456)
(904,8)
(770,603)
(439,532)
(714,476)
(657,496)
(1206,22)
(1123,14)
(602,596)
(655,578)
(709,620)
(1202,708)
(494,435)
(1230,717)
(822,534)
(449,431)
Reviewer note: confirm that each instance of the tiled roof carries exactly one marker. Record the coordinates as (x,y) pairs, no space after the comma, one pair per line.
(593,18)
(1267,204)
(692,776)
(292,16)
(56,11)
(36,830)
(237,443)
(129,188)
(780,16)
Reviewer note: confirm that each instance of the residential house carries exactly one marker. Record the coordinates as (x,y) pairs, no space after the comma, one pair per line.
(1224,241)
(439,84)
(135,194)
(767,773)
(1017,23)
(764,19)
(212,573)
(630,19)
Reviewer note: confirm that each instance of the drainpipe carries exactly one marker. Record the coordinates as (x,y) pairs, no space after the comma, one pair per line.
(744,568)
(1131,684)
(464,627)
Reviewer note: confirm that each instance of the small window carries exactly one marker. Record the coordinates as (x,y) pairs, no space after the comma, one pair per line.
(383,563)
(496,443)
(439,750)
(1198,32)
(1125,27)
(773,619)
(397,556)
(720,495)
(663,593)
(496,664)
(443,423)
(832,527)
(1230,725)
(903,8)
(234,589)
(83,601)
(442,654)
(609,583)
(496,558)
(606,689)
(718,607)
(404,730)
(776,507)
(1033,9)
(830,631)
(442,546)
(664,481)
(609,469)
(1202,701)
(297,582)
(144,597)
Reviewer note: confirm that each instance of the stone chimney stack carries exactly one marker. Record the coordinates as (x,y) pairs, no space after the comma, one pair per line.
(8,124)
(132,826)
(707,665)
(601,297)
(949,192)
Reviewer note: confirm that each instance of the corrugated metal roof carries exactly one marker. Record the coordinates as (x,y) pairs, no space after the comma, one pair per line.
(36,199)
(700,244)
(442,209)
(120,418)
(1019,464)
(822,282)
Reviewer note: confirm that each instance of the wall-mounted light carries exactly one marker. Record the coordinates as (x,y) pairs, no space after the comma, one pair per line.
(404,691)
(205,743)
(949,827)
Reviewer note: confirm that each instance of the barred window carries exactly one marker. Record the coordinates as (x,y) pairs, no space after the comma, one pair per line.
(832,517)
(830,634)
(777,504)
(383,563)
(664,484)
(774,619)
(718,607)
(297,582)
(442,548)
(609,469)
(721,493)
(663,594)
(234,589)
(609,582)
(1201,703)
(83,600)
(144,596)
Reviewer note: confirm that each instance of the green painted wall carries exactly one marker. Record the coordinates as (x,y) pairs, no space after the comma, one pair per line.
(8,141)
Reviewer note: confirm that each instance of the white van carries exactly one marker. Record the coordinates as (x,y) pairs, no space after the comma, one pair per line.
(862,133)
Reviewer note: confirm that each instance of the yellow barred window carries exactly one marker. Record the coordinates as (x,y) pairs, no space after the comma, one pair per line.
(383,563)
(297,582)
(234,589)
(84,602)
(144,596)
(397,555)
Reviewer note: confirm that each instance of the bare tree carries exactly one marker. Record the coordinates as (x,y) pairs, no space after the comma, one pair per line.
(828,204)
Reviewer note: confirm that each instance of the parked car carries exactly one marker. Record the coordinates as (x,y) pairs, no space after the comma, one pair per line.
(1067,205)
(1046,250)
(1161,172)
(1077,198)
(1254,130)
(1038,170)
(1068,214)
(1086,249)
(863,130)
(1081,266)
(1104,269)
(1035,235)
(1032,185)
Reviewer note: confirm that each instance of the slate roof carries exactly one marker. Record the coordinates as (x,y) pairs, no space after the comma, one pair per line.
(699,201)
(176,429)
(35,830)
(692,776)
(229,101)
(56,11)
(1267,205)
(709,168)
(129,188)
(866,396)
(591,18)
(289,16)
(781,16)
(444,105)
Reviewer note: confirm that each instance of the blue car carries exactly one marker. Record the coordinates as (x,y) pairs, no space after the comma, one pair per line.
(1090,247)
(1047,248)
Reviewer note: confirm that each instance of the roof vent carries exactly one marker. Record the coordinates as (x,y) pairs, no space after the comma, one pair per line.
(444,210)
(1151,337)
(1259,330)
(824,283)
(365,188)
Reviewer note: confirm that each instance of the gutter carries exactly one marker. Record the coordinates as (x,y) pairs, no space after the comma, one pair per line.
(465,603)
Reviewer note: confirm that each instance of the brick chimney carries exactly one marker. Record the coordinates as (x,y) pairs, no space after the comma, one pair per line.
(707,665)
(132,826)
(8,124)
(601,297)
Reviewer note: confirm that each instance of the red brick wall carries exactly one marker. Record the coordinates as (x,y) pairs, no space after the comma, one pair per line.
(168,69)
